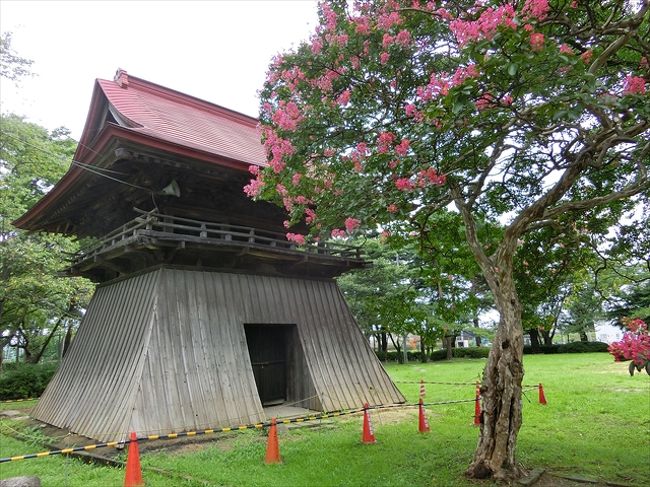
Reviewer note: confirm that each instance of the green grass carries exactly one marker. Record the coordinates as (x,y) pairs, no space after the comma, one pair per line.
(596,424)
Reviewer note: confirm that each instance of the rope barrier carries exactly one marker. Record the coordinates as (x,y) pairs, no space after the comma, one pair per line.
(450,383)
(207,431)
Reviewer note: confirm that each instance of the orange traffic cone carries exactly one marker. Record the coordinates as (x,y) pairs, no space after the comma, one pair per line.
(423,424)
(368,436)
(477,406)
(272,446)
(542,397)
(133,477)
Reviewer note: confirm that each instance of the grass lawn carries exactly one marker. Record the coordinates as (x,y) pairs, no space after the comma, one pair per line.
(596,424)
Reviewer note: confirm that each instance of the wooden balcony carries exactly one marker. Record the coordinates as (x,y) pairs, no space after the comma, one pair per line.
(154,238)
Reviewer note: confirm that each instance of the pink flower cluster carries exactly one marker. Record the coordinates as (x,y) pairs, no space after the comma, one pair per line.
(537,41)
(485,26)
(412,112)
(287,116)
(338,232)
(296,238)
(440,84)
(635,344)
(351,224)
(385,141)
(276,148)
(535,9)
(634,85)
(254,187)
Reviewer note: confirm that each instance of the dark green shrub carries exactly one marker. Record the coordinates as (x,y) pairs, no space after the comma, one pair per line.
(583,347)
(21,381)
(438,355)
(470,352)
(546,349)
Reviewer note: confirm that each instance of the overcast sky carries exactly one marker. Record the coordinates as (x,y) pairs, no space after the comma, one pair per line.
(215,50)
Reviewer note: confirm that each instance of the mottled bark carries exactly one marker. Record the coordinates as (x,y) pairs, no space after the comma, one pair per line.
(501,389)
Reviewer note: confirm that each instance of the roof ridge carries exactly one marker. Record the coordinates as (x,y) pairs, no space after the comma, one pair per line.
(184,98)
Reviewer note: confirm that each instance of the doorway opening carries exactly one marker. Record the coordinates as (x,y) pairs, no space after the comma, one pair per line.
(269,354)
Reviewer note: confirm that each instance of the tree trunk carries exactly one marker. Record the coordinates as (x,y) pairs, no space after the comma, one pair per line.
(396,344)
(478,338)
(423,351)
(583,336)
(548,338)
(448,343)
(534,339)
(501,387)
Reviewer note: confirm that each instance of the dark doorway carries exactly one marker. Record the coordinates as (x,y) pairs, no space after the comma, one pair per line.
(267,347)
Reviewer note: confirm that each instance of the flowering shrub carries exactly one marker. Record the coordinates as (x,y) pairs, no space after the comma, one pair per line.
(634,346)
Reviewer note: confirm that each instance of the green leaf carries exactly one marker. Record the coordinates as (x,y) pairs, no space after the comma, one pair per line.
(512,69)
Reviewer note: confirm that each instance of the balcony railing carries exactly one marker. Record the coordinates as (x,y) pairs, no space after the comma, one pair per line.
(173,228)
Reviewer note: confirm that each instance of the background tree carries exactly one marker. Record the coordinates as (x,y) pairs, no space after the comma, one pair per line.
(383,298)
(35,303)
(12,66)
(527,115)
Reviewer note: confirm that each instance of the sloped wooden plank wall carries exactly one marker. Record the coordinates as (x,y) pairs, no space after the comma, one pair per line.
(166,351)
(96,383)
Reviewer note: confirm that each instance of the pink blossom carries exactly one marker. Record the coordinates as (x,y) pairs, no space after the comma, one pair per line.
(586,56)
(403,38)
(385,234)
(634,85)
(506,100)
(338,232)
(310,216)
(351,224)
(355,62)
(329,152)
(443,13)
(392,208)
(528,28)
(413,112)
(537,41)
(254,188)
(430,176)
(254,170)
(384,57)
(344,98)
(486,100)
(384,142)
(287,116)
(302,200)
(393,164)
(286,224)
(362,25)
(387,40)
(316,45)
(566,49)
(296,237)
(386,21)
(535,9)
(295,179)
(282,191)
(485,26)
(462,74)
(330,16)
(404,184)
(403,147)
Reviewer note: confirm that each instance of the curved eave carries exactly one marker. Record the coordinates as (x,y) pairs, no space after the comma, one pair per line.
(89,155)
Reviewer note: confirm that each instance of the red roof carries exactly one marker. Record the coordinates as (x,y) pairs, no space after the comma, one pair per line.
(160,118)
(181,119)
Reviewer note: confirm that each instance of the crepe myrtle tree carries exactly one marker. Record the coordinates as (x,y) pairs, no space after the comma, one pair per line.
(529,114)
